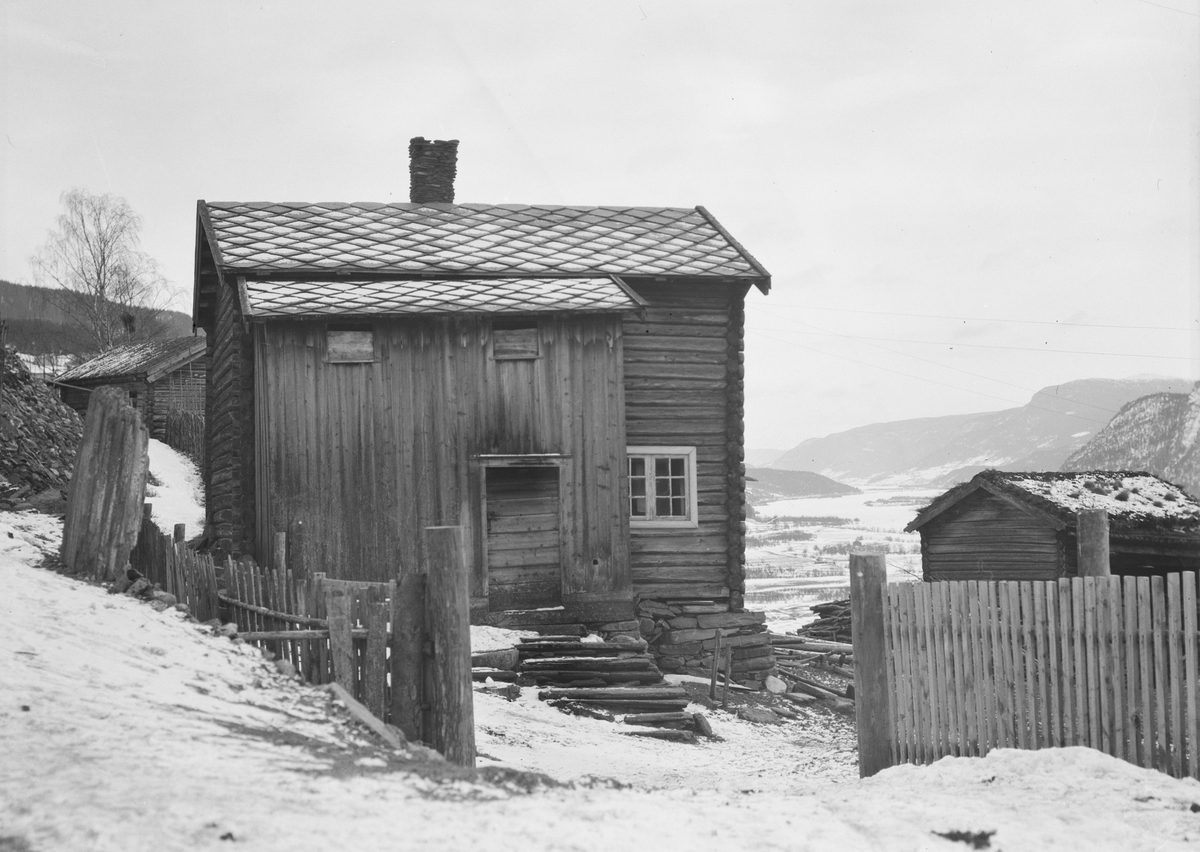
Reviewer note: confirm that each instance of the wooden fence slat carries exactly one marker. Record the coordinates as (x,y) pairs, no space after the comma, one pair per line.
(1058,711)
(1158,608)
(949,688)
(1081,629)
(1028,666)
(1104,665)
(1175,674)
(928,663)
(1041,652)
(375,667)
(1091,663)
(903,681)
(1191,729)
(1129,635)
(889,670)
(1117,673)
(964,674)
(1001,673)
(337,612)
(1146,674)
(987,674)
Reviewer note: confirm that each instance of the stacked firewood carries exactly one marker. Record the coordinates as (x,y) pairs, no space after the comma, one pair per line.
(833,624)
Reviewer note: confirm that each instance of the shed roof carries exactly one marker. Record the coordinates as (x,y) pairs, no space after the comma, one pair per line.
(480,240)
(1136,501)
(341,297)
(153,358)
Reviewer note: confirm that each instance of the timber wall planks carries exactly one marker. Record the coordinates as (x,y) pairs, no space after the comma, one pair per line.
(985,538)
(229,421)
(1105,662)
(367,455)
(683,388)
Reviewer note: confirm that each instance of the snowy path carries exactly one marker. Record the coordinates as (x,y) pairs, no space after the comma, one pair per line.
(142,733)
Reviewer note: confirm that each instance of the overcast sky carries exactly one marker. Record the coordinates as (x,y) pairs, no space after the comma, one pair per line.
(959,203)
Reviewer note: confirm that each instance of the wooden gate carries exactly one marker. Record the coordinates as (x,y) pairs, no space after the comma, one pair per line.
(968,666)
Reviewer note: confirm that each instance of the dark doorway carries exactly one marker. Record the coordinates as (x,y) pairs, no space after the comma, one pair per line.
(523,550)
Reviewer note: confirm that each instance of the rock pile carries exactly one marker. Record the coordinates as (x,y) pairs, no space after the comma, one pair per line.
(39,436)
(683,637)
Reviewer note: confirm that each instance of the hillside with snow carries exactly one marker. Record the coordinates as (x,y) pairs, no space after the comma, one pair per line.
(1159,433)
(940,451)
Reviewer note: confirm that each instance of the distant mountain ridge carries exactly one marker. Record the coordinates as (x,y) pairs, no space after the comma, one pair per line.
(766,484)
(36,326)
(940,451)
(1159,433)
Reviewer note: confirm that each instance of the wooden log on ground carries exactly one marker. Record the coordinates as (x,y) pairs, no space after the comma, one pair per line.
(657,718)
(603,677)
(810,644)
(108,485)
(631,662)
(801,698)
(479,675)
(616,693)
(662,734)
(501,658)
(363,715)
(449,617)
(664,705)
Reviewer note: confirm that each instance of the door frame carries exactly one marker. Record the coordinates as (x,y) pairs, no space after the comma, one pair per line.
(563,463)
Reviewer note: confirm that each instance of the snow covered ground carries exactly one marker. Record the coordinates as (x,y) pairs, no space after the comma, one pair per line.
(122,728)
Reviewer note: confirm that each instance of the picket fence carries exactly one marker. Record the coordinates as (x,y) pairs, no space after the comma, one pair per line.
(166,560)
(1105,662)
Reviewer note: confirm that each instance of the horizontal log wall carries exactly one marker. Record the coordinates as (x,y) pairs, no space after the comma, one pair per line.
(986,538)
(367,455)
(681,358)
(229,418)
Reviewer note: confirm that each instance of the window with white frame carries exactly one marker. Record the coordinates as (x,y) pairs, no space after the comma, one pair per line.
(662,486)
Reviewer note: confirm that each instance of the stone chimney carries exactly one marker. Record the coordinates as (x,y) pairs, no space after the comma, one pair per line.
(431,167)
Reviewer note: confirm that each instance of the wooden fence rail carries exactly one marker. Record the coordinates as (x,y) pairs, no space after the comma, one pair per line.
(184,431)
(1105,662)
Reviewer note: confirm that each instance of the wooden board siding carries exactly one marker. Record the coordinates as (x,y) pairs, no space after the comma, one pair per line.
(682,365)
(987,538)
(368,455)
(524,560)
(229,475)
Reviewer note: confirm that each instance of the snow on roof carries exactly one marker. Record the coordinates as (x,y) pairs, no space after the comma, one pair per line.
(136,358)
(1134,500)
(474,239)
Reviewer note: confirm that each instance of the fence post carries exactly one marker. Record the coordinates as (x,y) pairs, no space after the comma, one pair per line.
(1091,529)
(408,657)
(868,584)
(448,613)
(102,520)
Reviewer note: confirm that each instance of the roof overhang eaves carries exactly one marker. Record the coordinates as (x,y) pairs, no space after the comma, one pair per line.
(197,349)
(763,282)
(935,509)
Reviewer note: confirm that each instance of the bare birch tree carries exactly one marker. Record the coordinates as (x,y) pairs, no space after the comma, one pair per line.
(96,274)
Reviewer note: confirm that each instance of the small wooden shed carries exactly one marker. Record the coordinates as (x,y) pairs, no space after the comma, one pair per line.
(160,376)
(1021,526)
(565,383)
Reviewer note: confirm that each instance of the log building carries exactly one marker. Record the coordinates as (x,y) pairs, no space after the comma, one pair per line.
(159,376)
(1021,526)
(565,383)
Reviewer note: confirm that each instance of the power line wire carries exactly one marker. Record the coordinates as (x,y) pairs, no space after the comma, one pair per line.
(982,319)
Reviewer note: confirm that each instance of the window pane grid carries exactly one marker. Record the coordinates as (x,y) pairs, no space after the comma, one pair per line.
(658,488)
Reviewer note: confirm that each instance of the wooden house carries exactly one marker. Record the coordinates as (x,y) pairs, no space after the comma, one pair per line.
(1021,526)
(565,383)
(160,376)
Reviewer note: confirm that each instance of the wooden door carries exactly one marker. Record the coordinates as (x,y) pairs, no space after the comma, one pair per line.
(524,559)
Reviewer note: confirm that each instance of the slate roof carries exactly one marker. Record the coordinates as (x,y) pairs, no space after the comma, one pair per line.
(134,359)
(274,299)
(473,240)
(1136,501)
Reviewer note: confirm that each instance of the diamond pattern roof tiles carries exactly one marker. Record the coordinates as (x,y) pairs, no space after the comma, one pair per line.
(277,299)
(474,238)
